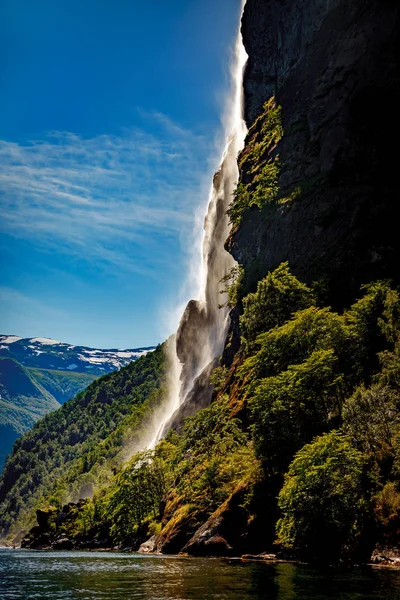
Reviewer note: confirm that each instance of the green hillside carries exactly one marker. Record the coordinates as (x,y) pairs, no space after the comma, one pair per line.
(23,400)
(62,385)
(69,449)
(300,445)
(27,394)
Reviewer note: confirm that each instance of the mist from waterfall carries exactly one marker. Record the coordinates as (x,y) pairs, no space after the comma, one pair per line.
(193,351)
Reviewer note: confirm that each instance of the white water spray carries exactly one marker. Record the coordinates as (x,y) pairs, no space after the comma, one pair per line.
(199,341)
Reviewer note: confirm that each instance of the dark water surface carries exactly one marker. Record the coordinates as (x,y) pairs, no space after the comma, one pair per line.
(26,574)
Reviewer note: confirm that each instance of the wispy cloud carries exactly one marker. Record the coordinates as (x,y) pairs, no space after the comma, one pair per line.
(112,199)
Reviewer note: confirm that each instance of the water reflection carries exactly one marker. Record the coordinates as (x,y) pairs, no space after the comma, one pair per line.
(27,575)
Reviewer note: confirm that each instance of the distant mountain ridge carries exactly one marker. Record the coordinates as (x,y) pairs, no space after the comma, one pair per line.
(23,400)
(37,375)
(46,353)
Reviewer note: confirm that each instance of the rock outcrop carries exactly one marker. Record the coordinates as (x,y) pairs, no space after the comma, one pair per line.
(55,529)
(197,398)
(384,555)
(222,534)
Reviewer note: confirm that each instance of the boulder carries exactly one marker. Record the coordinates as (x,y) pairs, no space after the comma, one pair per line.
(149,545)
(43,516)
(223,533)
(36,539)
(63,544)
(178,525)
(386,555)
(262,556)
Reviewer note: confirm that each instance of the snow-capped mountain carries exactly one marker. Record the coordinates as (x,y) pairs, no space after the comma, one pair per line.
(45,353)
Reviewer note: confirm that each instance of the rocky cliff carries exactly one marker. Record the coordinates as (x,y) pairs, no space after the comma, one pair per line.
(333,67)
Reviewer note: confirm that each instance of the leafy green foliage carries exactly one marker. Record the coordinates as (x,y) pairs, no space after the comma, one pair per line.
(197,469)
(62,455)
(292,407)
(309,330)
(322,499)
(218,377)
(212,456)
(315,371)
(386,505)
(233,282)
(278,296)
(372,418)
(135,495)
(310,393)
(375,319)
(259,163)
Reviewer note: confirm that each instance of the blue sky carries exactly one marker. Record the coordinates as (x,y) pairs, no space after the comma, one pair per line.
(110,123)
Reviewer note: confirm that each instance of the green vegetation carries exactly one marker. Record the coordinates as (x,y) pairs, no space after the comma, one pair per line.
(301,400)
(277,297)
(62,385)
(135,495)
(260,168)
(259,164)
(27,394)
(323,394)
(23,400)
(198,470)
(233,282)
(21,393)
(66,453)
(324,498)
(305,424)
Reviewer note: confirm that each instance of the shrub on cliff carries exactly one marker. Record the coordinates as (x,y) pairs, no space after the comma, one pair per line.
(324,502)
(294,406)
(278,296)
(213,455)
(135,495)
(259,164)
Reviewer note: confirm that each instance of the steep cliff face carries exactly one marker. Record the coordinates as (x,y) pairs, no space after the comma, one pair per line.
(333,67)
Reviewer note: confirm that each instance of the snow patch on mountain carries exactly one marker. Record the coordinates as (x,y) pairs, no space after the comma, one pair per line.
(46,353)
(45,341)
(9,339)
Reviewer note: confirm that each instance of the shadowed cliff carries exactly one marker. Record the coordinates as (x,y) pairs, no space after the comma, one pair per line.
(333,67)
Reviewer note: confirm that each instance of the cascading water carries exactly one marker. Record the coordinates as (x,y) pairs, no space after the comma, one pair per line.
(195,348)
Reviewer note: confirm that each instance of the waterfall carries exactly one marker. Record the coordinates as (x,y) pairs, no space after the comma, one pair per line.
(193,351)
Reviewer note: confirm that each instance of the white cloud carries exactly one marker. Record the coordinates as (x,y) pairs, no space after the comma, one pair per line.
(110,199)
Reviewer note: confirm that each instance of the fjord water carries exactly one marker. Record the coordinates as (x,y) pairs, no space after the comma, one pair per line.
(29,575)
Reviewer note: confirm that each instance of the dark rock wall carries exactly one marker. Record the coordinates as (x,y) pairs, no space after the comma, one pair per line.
(333,66)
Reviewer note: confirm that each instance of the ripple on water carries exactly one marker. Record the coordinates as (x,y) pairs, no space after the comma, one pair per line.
(30,575)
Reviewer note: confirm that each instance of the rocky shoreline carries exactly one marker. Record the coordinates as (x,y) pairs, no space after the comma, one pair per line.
(54,532)
(388,558)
